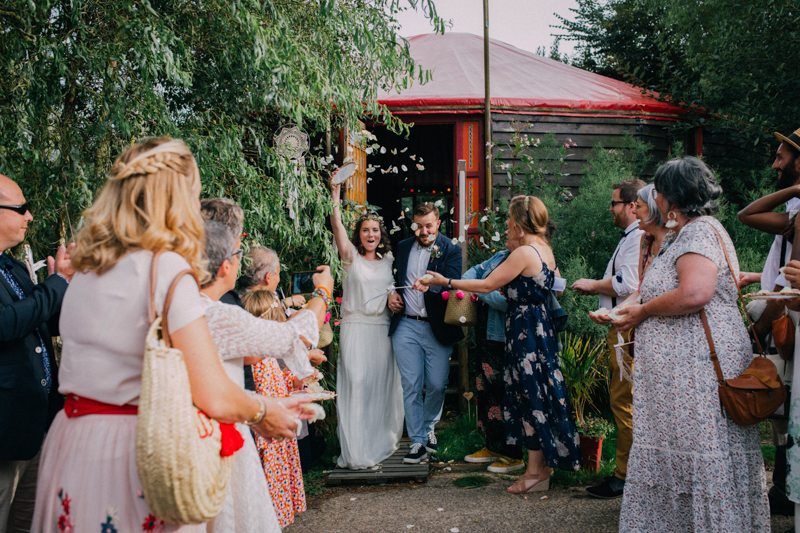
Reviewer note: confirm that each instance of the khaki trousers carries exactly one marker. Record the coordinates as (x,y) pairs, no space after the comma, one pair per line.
(17,494)
(621,393)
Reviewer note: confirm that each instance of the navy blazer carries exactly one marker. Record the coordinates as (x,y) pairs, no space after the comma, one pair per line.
(448,264)
(26,410)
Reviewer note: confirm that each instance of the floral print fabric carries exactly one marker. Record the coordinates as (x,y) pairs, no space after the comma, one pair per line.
(280,458)
(691,468)
(537,410)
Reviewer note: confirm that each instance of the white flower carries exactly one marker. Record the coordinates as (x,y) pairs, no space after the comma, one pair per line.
(484,218)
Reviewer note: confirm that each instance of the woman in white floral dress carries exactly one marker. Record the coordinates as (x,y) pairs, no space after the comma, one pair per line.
(691,468)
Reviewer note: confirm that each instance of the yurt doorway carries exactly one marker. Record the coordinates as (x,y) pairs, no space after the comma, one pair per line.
(404,172)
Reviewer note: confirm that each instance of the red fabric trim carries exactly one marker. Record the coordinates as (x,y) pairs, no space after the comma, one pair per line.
(75,406)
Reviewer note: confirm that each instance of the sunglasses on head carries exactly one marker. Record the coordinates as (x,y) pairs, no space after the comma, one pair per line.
(21,209)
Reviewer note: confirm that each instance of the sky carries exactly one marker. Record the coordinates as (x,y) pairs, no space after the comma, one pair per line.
(521,23)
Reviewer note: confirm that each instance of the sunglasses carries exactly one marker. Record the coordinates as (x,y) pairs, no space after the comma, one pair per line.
(21,209)
(615,203)
(238,252)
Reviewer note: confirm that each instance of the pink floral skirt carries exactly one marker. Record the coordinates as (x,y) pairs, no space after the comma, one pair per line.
(88,480)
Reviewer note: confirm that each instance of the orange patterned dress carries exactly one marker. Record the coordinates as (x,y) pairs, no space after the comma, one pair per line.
(280,459)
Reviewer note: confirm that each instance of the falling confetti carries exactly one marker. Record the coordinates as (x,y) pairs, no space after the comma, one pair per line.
(420,160)
(496,236)
(403,168)
(394,151)
(383,149)
(454,530)
(413,157)
(368,151)
(440,509)
(394,169)
(353,499)
(420,167)
(454,240)
(404,150)
(452,209)
(414,226)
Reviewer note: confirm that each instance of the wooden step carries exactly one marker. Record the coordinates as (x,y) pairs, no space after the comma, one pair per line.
(391,469)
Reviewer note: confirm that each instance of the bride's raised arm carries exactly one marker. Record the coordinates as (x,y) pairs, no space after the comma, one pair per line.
(339,231)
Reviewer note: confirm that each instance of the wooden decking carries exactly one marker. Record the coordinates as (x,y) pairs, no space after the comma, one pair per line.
(392,469)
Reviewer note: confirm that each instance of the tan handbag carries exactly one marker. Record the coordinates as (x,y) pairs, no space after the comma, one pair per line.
(758,391)
(178,448)
(783,337)
(461,312)
(325,335)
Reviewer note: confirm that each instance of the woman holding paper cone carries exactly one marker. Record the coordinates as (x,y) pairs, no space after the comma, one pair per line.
(537,410)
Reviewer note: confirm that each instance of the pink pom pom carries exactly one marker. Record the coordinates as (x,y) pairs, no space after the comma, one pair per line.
(473,297)
(445,295)
(460,295)
(327,317)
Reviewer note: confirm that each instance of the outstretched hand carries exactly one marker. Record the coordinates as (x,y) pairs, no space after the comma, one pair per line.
(632,316)
(432,279)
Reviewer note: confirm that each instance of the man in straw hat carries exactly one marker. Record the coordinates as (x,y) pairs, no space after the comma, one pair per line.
(761,216)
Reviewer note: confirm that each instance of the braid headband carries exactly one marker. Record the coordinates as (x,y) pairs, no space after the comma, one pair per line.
(163,156)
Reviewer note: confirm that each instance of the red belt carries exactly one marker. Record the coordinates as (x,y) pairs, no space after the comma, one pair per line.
(75,406)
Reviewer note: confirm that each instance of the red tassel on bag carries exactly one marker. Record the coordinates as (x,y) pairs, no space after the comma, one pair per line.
(232,440)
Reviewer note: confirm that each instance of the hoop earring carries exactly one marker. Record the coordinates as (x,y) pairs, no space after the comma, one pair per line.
(671,220)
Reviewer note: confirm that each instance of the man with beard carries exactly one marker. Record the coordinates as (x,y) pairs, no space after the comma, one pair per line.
(619,281)
(422,342)
(761,216)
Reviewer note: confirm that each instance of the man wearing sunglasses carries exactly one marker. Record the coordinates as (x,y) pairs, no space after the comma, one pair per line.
(29,397)
(619,281)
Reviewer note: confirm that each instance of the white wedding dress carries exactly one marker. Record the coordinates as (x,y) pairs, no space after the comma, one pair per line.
(369,395)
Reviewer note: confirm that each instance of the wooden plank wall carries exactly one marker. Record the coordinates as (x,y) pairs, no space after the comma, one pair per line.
(586,132)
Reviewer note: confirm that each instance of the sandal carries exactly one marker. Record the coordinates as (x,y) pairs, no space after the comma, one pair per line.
(531,483)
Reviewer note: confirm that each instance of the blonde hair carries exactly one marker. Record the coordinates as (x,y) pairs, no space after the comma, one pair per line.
(146,204)
(264,304)
(529,214)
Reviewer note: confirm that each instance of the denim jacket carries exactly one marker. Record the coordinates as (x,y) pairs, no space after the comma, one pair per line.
(496,326)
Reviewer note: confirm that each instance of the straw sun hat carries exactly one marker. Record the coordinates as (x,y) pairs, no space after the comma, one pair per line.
(793,139)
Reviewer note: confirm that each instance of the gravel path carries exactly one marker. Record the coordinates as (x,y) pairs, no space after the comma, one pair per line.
(393,508)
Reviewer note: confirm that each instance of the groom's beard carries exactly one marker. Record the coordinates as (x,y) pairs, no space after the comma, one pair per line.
(426,243)
(788,176)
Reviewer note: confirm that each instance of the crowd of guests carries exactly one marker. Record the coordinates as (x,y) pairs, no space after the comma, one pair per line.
(681,463)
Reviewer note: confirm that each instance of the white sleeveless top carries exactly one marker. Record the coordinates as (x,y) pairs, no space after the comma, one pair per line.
(365,286)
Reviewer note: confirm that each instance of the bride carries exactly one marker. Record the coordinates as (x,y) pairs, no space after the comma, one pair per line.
(369,396)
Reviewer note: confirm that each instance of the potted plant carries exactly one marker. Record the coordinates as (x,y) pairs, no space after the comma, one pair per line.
(592,432)
(583,367)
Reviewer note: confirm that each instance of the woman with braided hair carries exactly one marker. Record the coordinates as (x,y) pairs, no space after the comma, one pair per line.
(536,407)
(88,478)
(369,399)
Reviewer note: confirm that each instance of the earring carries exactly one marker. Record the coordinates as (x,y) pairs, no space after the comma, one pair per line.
(380,245)
(671,220)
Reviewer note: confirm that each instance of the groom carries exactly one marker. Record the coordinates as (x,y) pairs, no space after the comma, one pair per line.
(421,340)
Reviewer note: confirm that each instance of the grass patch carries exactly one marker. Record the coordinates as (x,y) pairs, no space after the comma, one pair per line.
(314,481)
(472,482)
(459,439)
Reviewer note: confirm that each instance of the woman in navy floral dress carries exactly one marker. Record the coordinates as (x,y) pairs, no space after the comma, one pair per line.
(537,410)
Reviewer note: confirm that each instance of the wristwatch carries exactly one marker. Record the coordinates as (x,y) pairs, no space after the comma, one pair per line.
(450,284)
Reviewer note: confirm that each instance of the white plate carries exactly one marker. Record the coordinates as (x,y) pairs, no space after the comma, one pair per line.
(345,171)
(773,296)
(313,396)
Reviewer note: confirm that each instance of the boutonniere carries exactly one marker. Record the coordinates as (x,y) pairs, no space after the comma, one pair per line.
(435,252)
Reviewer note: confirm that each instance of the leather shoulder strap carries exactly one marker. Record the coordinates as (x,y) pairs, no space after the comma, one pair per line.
(168,301)
(735,283)
(151,292)
(711,347)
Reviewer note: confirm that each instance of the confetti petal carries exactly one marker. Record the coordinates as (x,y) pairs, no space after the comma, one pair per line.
(454,530)
(404,150)
(440,509)
(454,240)
(414,226)
(383,150)
(403,168)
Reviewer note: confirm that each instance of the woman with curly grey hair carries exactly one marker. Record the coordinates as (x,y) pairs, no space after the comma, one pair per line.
(691,468)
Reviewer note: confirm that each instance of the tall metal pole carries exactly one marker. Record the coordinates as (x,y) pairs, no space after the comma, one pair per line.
(487,110)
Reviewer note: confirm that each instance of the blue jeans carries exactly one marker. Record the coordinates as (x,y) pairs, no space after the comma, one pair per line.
(423,362)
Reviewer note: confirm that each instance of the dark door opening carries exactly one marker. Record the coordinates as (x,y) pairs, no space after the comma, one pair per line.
(405,172)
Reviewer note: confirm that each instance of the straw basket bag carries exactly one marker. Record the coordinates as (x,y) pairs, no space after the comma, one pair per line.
(325,335)
(184,478)
(461,311)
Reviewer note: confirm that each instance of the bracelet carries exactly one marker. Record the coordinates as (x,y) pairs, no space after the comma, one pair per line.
(449,284)
(322,292)
(321,288)
(260,415)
